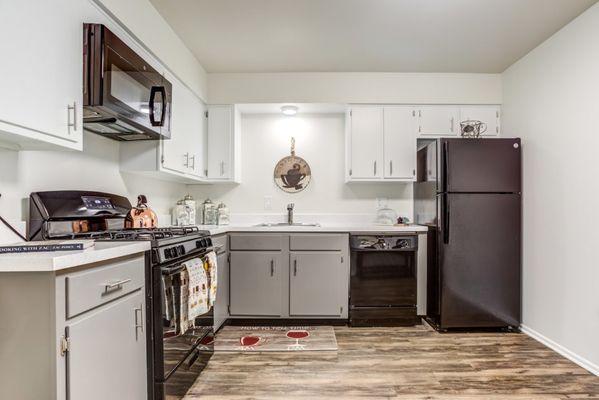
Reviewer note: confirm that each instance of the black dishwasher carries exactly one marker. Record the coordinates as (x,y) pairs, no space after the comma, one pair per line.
(383,280)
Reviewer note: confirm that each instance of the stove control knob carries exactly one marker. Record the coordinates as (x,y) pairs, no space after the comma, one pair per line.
(199,244)
(208,242)
(168,254)
(180,250)
(402,244)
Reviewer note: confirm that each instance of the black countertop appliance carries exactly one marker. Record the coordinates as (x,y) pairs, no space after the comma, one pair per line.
(469,194)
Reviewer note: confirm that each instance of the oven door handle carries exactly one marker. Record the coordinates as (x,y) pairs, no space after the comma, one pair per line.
(152,105)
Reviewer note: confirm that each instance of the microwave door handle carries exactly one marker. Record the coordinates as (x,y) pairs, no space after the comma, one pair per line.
(152,105)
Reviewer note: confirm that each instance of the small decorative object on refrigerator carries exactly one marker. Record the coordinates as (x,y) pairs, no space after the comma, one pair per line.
(472,128)
(223,214)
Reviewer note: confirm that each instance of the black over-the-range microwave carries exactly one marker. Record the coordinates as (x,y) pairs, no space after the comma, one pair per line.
(124,98)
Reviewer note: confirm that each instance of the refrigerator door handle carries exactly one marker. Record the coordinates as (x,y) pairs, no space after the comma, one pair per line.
(445,166)
(446,213)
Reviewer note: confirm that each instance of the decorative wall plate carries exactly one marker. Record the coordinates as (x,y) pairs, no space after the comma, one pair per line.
(292,173)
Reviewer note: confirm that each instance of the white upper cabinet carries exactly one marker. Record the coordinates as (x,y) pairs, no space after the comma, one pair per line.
(180,158)
(365,150)
(399,143)
(223,158)
(489,115)
(184,152)
(438,121)
(42,77)
(381,144)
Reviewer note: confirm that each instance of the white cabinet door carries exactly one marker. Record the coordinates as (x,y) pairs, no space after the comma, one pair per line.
(42,77)
(184,152)
(107,356)
(442,120)
(489,115)
(314,284)
(366,142)
(399,143)
(256,278)
(220,142)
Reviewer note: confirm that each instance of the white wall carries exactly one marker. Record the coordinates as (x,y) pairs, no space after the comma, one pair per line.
(95,168)
(320,141)
(144,23)
(355,87)
(551,100)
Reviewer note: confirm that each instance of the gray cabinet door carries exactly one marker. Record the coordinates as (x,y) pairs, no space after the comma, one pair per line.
(222,293)
(107,356)
(314,284)
(256,278)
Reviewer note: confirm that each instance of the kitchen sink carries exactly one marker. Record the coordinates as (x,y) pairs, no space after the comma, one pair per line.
(282,224)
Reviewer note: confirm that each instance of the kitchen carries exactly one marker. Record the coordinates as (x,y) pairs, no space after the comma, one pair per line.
(233,141)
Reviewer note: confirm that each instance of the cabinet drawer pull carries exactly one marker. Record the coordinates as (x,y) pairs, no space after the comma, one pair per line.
(272,267)
(222,168)
(452,121)
(390,167)
(193,164)
(294,267)
(186,163)
(375,168)
(115,285)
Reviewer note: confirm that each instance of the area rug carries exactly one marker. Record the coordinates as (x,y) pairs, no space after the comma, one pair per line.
(275,338)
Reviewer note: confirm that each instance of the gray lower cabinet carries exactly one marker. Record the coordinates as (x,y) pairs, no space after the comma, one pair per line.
(289,275)
(107,358)
(256,278)
(75,334)
(221,305)
(315,283)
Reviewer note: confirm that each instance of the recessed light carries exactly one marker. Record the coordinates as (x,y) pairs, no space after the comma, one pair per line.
(289,110)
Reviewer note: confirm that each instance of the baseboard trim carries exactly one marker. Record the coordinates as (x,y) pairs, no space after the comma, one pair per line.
(570,355)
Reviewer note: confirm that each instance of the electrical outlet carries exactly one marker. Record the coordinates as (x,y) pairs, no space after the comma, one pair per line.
(381,202)
(267,203)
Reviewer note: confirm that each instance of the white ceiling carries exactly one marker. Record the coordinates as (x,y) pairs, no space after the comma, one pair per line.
(365,35)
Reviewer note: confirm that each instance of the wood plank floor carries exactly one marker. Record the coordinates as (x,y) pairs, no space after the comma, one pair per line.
(401,363)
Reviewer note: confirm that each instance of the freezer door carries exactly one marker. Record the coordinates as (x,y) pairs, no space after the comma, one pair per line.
(480,165)
(480,260)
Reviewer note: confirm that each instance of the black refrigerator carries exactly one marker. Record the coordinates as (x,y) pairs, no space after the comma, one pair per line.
(468,192)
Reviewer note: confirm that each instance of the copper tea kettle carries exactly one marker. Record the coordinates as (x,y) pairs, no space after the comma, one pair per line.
(141,216)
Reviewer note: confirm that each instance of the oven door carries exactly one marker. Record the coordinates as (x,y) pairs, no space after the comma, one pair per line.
(383,278)
(179,357)
(126,98)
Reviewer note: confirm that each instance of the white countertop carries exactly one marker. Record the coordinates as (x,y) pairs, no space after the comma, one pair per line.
(56,261)
(344,228)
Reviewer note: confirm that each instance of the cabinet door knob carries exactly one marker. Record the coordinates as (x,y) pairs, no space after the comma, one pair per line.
(272,267)
(375,168)
(295,267)
(390,167)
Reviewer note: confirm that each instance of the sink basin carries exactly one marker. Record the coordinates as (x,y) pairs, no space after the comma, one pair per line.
(283,224)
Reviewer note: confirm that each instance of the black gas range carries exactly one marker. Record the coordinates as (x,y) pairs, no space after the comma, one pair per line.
(175,359)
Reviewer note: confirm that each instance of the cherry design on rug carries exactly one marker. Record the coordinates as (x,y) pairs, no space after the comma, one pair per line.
(249,342)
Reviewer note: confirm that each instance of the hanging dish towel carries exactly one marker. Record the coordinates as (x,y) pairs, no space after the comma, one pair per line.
(211,270)
(197,301)
(183,306)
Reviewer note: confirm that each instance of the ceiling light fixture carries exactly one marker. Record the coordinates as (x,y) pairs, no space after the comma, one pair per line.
(289,110)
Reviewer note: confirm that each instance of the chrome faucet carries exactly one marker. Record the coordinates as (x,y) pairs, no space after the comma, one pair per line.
(290,213)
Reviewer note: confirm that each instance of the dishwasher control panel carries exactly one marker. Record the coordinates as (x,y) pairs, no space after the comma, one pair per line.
(382,242)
